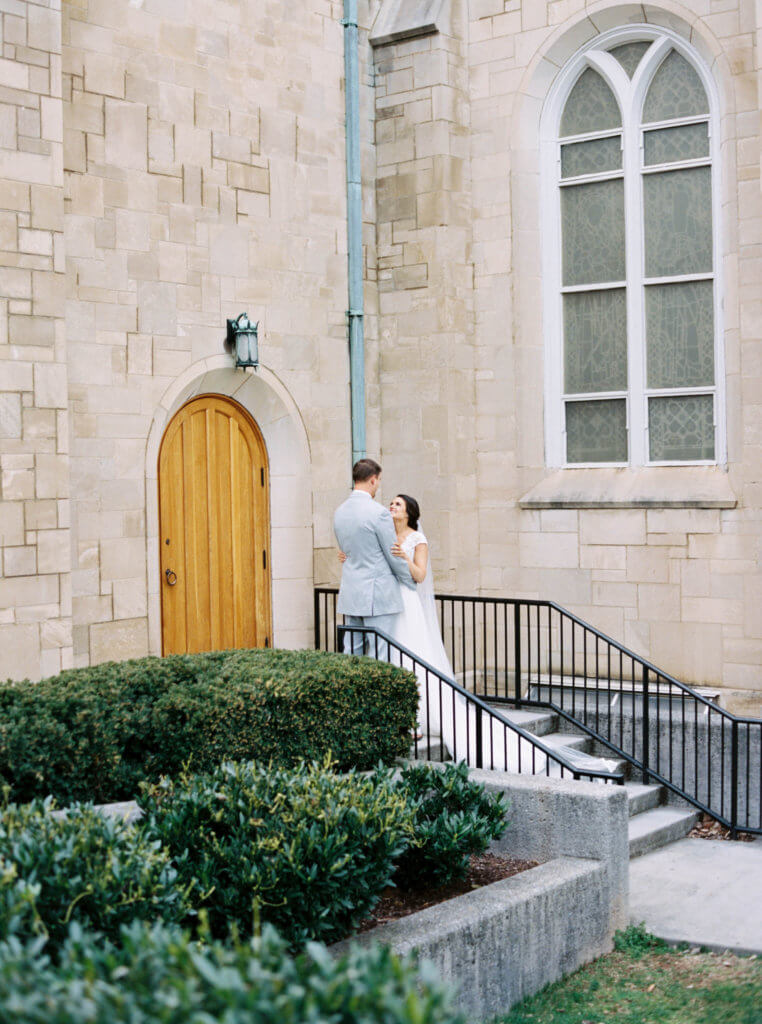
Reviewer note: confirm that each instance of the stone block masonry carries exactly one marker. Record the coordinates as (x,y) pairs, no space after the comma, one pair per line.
(35,535)
(164,166)
(665,559)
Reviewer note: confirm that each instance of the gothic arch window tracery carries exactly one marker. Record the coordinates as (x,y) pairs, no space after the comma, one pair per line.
(632,300)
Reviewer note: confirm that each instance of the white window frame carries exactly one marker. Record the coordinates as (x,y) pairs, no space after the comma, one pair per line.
(630,94)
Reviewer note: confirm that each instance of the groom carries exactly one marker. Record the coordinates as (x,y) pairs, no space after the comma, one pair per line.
(369,594)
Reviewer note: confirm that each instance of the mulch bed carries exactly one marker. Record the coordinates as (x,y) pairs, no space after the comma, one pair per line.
(484,869)
(708,828)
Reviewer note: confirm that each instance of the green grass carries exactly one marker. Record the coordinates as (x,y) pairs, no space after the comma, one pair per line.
(645,982)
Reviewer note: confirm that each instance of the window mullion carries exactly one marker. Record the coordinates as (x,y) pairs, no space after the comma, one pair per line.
(633,205)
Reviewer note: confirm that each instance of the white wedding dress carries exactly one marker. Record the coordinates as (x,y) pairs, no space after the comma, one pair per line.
(443,712)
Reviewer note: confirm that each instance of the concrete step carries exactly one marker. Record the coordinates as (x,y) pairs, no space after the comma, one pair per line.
(652,829)
(643,798)
(576,741)
(429,749)
(611,688)
(538,722)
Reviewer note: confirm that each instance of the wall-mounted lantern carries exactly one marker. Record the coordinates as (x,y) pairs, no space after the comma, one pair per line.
(242,341)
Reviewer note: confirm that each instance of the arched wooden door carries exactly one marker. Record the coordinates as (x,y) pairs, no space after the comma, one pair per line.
(214,530)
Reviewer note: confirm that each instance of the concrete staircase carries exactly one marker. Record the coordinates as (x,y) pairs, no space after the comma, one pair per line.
(653,821)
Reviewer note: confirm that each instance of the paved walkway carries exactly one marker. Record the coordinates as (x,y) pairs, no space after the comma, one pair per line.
(704,892)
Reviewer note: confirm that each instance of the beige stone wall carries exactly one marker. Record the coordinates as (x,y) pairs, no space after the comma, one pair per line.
(204,158)
(425,289)
(681,586)
(169,164)
(35,587)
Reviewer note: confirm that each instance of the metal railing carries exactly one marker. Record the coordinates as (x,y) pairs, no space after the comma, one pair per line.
(455,724)
(533,653)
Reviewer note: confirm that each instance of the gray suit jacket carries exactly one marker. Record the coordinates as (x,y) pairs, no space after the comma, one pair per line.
(365,532)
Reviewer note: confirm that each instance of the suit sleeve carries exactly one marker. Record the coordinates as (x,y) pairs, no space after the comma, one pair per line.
(387,536)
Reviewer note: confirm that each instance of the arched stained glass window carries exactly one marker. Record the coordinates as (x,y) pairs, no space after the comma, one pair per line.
(635,278)
(675,92)
(591,107)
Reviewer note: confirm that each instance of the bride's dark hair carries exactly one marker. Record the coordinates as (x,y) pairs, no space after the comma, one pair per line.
(413,510)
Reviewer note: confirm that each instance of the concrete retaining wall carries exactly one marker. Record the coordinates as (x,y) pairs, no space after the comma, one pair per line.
(693,751)
(551,818)
(510,939)
(506,941)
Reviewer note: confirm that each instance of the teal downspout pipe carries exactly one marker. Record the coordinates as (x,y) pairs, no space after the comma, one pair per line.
(355,312)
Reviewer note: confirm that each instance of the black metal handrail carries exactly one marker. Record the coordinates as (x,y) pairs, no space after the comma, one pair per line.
(534,653)
(484,732)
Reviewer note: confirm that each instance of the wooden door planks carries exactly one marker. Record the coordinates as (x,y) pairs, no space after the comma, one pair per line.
(214,510)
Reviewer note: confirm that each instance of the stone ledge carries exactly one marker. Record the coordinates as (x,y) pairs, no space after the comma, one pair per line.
(648,487)
(406,19)
(508,940)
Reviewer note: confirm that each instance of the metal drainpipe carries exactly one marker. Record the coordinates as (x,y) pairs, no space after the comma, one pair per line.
(355,313)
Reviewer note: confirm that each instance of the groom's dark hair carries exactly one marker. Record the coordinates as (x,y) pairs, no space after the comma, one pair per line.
(364,469)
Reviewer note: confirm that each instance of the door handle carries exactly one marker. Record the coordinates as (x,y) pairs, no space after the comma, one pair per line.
(171,577)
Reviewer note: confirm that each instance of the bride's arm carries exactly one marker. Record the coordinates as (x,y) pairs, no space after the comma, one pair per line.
(418,563)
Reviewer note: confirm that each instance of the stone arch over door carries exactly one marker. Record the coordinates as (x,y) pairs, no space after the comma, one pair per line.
(274,411)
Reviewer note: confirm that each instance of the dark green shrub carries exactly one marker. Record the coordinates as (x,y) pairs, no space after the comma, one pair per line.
(81,866)
(637,941)
(159,976)
(96,733)
(311,848)
(453,818)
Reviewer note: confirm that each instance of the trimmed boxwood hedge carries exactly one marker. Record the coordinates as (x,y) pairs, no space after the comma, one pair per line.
(96,733)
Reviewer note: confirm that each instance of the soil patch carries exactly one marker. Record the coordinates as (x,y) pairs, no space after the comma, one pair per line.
(484,869)
(708,828)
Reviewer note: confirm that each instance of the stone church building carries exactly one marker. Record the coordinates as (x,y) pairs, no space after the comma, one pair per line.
(562,307)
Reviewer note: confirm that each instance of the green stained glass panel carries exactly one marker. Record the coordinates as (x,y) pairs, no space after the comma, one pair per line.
(596,431)
(591,106)
(592,218)
(676,91)
(592,157)
(595,341)
(629,55)
(681,428)
(678,222)
(680,334)
(668,145)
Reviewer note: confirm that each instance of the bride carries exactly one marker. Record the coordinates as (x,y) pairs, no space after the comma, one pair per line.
(442,710)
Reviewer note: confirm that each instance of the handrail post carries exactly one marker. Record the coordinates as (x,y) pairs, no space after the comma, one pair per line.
(479,730)
(317,619)
(646,717)
(517,652)
(734,779)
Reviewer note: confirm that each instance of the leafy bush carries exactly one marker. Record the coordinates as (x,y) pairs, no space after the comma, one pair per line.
(637,941)
(96,733)
(159,976)
(453,818)
(80,866)
(310,848)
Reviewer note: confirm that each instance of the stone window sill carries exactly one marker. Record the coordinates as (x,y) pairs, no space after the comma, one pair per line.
(647,487)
